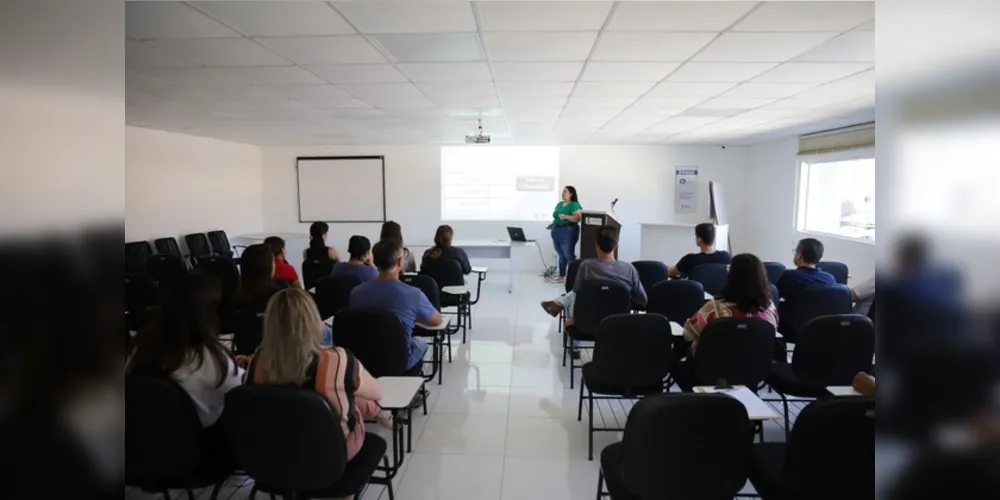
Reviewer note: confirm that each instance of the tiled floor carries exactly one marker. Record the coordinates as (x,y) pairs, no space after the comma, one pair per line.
(503,426)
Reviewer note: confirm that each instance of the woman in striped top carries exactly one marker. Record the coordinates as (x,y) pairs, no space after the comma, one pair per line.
(292,354)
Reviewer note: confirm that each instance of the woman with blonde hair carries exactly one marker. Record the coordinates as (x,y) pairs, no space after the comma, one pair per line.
(292,354)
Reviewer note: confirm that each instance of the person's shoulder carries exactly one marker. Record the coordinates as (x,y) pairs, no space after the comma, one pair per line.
(576,206)
(725,256)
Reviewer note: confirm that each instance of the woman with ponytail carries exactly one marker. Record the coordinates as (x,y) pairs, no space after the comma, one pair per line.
(317,244)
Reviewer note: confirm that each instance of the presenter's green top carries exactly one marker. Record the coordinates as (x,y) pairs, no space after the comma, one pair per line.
(570,209)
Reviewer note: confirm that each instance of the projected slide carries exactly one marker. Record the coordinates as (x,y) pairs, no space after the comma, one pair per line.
(499,183)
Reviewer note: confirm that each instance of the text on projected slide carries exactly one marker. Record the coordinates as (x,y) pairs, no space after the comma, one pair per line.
(499,183)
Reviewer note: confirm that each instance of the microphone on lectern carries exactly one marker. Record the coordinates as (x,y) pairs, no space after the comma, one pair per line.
(613,203)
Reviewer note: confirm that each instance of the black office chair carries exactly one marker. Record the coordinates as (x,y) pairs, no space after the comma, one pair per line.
(631,360)
(220,244)
(136,255)
(830,351)
(681,447)
(651,273)
(165,445)
(813,301)
(839,270)
(738,351)
(571,271)
(248,332)
(678,300)
(314,270)
(711,276)
(774,271)
(447,273)
(141,295)
(223,269)
(165,269)
(596,301)
(333,294)
(290,442)
(775,296)
(168,246)
(830,454)
(429,287)
(198,246)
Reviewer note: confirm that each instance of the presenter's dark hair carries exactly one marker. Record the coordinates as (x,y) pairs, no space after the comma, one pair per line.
(443,237)
(358,246)
(392,231)
(746,284)
(705,232)
(385,254)
(572,194)
(607,239)
(811,250)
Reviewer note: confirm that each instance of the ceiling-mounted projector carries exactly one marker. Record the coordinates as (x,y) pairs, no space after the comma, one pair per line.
(478,137)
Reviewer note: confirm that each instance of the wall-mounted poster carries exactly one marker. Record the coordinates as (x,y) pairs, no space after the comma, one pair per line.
(686,189)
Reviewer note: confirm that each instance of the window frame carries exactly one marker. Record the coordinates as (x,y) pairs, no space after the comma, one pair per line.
(802,187)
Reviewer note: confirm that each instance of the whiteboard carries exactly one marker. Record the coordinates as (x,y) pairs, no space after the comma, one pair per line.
(341,189)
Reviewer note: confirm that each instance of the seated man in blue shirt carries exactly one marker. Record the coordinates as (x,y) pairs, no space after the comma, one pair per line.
(388,293)
(807,254)
(704,237)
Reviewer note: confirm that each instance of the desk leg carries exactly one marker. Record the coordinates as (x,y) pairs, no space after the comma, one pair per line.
(510,262)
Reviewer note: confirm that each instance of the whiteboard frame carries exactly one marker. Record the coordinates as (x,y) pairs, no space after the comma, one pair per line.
(298,188)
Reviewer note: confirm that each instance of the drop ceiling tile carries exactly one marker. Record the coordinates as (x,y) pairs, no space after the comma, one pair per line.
(649,103)
(627,71)
(539,46)
(678,16)
(693,89)
(383,90)
(735,103)
(480,89)
(181,76)
(600,102)
(308,92)
(325,49)
(447,72)
(398,101)
(760,47)
(612,89)
(529,104)
(869,26)
(853,46)
(409,17)
(223,52)
(650,46)
(680,124)
(161,20)
(537,72)
(359,73)
(145,55)
(811,72)
(708,113)
(718,72)
(535,89)
(543,16)
(272,18)
(807,16)
(338,103)
(445,47)
(776,90)
(267,75)
(414,112)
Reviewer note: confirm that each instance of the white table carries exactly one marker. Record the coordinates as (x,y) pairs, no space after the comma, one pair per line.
(489,249)
(757,409)
(709,297)
(842,390)
(443,327)
(397,395)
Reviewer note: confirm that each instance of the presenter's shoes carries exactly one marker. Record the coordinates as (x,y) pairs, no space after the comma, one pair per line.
(552,308)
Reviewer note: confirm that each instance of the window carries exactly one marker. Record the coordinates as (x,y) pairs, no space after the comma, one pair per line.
(837,195)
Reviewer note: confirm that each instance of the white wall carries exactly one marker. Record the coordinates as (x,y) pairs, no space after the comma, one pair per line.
(769,208)
(179,184)
(640,176)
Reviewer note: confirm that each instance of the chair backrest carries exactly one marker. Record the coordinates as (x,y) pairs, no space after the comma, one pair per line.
(737,350)
(775,295)
(711,276)
(571,271)
(686,447)
(427,285)
(286,438)
(445,272)
(136,255)
(819,300)
(248,332)
(377,338)
(162,430)
(198,245)
(830,350)
(774,271)
(333,294)
(633,351)
(833,438)
(168,246)
(140,295)
(220,243)
(224,269)
(313,270)
(165,269)
(598,300)
(839,270)
(678,300)
(651,273)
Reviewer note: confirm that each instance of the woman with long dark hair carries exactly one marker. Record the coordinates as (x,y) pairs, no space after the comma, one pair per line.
(257,283)
(566,229)
(443,250)
(392,231)
(317,249)
(182,342)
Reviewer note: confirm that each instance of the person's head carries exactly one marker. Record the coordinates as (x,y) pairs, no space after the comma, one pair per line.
(183,326)
(607,241)
(388,257)
(277,246)
(293,334)
(392,231)
(569,194)
(359,247)
(911,253)
(746,284)
(704,235)
(808,253)
(317,233)
(443,237)
(256,267)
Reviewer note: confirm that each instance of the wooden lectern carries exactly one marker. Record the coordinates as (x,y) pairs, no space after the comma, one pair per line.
(591,221)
